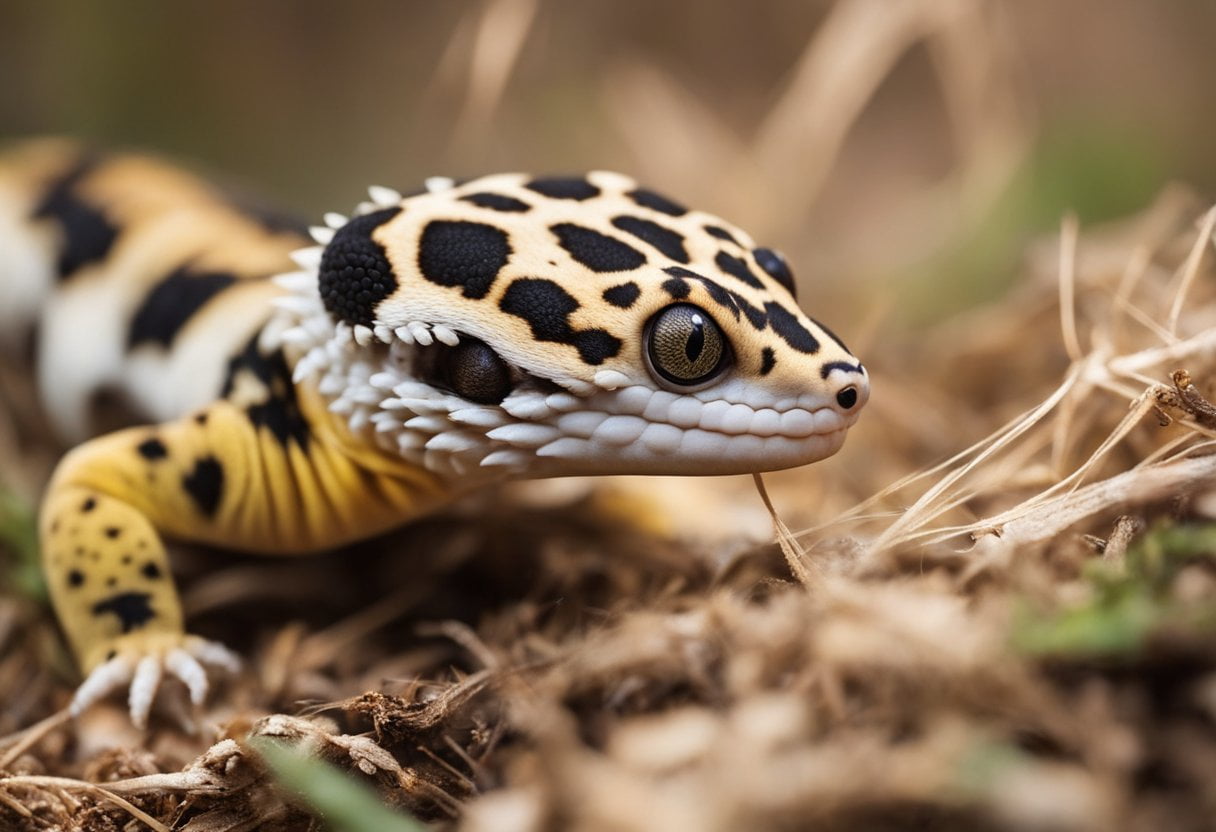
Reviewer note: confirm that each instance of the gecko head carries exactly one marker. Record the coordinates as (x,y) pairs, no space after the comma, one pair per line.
(566,326)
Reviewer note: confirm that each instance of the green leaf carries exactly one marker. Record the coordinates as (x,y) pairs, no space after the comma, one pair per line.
(345,804)
(1092,629)
(19,534)
(1129,601)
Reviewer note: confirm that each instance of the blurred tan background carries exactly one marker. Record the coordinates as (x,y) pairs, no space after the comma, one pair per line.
(895,149)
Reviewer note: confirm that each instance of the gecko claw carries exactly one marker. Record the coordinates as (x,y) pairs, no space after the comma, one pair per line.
(140,664)
(104,680)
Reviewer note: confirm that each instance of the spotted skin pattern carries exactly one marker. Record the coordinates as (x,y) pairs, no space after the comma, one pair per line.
(295,397)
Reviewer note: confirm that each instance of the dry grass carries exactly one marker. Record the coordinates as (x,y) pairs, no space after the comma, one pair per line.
(1019,637)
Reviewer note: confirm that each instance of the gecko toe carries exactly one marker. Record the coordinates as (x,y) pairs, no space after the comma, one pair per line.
(104,680)
(143,689)
(212,652)
(187,668)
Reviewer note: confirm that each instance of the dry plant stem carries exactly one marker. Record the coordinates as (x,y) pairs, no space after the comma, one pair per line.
(1068,287)
(1140,485)
(502,30)
(860,513)
(979,83)
(1136,267)
(1199,344)
(462,634)
(1097,369)
(1191,269)
(28,738)
(852,52)
(794,555)
(1125,530)
(105,793)
(921,512)
(15,805)
(1040,502)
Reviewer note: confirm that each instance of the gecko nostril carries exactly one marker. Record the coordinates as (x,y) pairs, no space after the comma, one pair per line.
(847,397)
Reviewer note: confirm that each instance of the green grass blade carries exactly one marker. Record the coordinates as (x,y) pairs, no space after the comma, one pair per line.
(345,804)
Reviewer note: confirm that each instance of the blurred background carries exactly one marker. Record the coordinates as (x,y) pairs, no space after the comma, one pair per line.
(902,153)
(899,151)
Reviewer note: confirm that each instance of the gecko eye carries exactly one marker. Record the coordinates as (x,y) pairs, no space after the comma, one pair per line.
(847,397)
(473,371)
(684,346)
(774,266)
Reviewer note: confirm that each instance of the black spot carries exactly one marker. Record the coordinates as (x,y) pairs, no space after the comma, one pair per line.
(126,560)
(200,419)
(467,254)
(737,268)
(721,296)
(497,202)
(88,505)
(87,234)
(768,360)
(827,369)
(597,251)
(623,296)
(152,449)
(282,417)
(75,578)
(775,266)
(79,552)
(564,187)
(205,484)
(721,233)
(786,325)
(677,287)
(172,302)
(113,532)
(280,413)
(756,316)
(150,571)
(833,336)
(132,608)
(111,582)
(546,307)
(657,202)
(111,654)
(664,239)
(847,397)
(355,274)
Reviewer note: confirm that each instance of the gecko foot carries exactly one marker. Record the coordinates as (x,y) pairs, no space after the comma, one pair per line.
(139,661)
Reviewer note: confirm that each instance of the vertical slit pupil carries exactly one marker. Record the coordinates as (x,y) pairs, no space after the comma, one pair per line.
(696,339)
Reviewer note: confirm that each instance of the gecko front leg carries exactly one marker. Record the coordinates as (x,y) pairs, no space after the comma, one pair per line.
(219,477)
(112,589)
